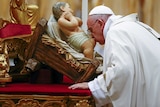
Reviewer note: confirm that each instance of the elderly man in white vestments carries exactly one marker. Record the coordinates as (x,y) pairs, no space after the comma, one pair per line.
(131,60)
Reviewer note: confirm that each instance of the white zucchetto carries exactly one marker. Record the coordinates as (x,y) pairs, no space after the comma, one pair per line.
(101,10)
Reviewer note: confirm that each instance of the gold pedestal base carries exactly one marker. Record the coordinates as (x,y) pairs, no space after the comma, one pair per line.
(4,80)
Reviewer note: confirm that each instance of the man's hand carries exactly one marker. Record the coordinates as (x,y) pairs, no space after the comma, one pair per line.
(83,85)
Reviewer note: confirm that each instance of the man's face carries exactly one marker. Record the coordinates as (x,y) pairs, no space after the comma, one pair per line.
(95,29)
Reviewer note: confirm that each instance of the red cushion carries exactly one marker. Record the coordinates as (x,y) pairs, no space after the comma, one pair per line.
(67,80)
(12,30)
(49,89)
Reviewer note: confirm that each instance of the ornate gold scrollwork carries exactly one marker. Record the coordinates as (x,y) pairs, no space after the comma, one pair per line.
(78,101)
(28,103)
(7,103)
(60,103)
(83,103)
(80,67)
(8,100)
(4,65)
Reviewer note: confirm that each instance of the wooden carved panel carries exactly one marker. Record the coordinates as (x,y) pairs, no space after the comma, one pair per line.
(45,101)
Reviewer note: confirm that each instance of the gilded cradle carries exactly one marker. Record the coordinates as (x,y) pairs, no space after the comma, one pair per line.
(45,50)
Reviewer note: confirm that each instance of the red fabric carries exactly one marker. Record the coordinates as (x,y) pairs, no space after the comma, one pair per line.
(12,29)
(49,89)
(67,80)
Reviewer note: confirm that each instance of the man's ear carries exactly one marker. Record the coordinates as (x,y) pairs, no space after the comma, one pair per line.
(101,22)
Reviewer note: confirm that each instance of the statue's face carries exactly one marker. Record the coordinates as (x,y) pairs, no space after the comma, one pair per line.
(19,2)
(67,8)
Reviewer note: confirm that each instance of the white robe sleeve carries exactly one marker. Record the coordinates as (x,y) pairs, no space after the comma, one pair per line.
(101,97)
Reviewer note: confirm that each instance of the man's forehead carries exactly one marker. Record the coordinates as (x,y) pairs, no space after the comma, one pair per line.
(90,19)
(93,17)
